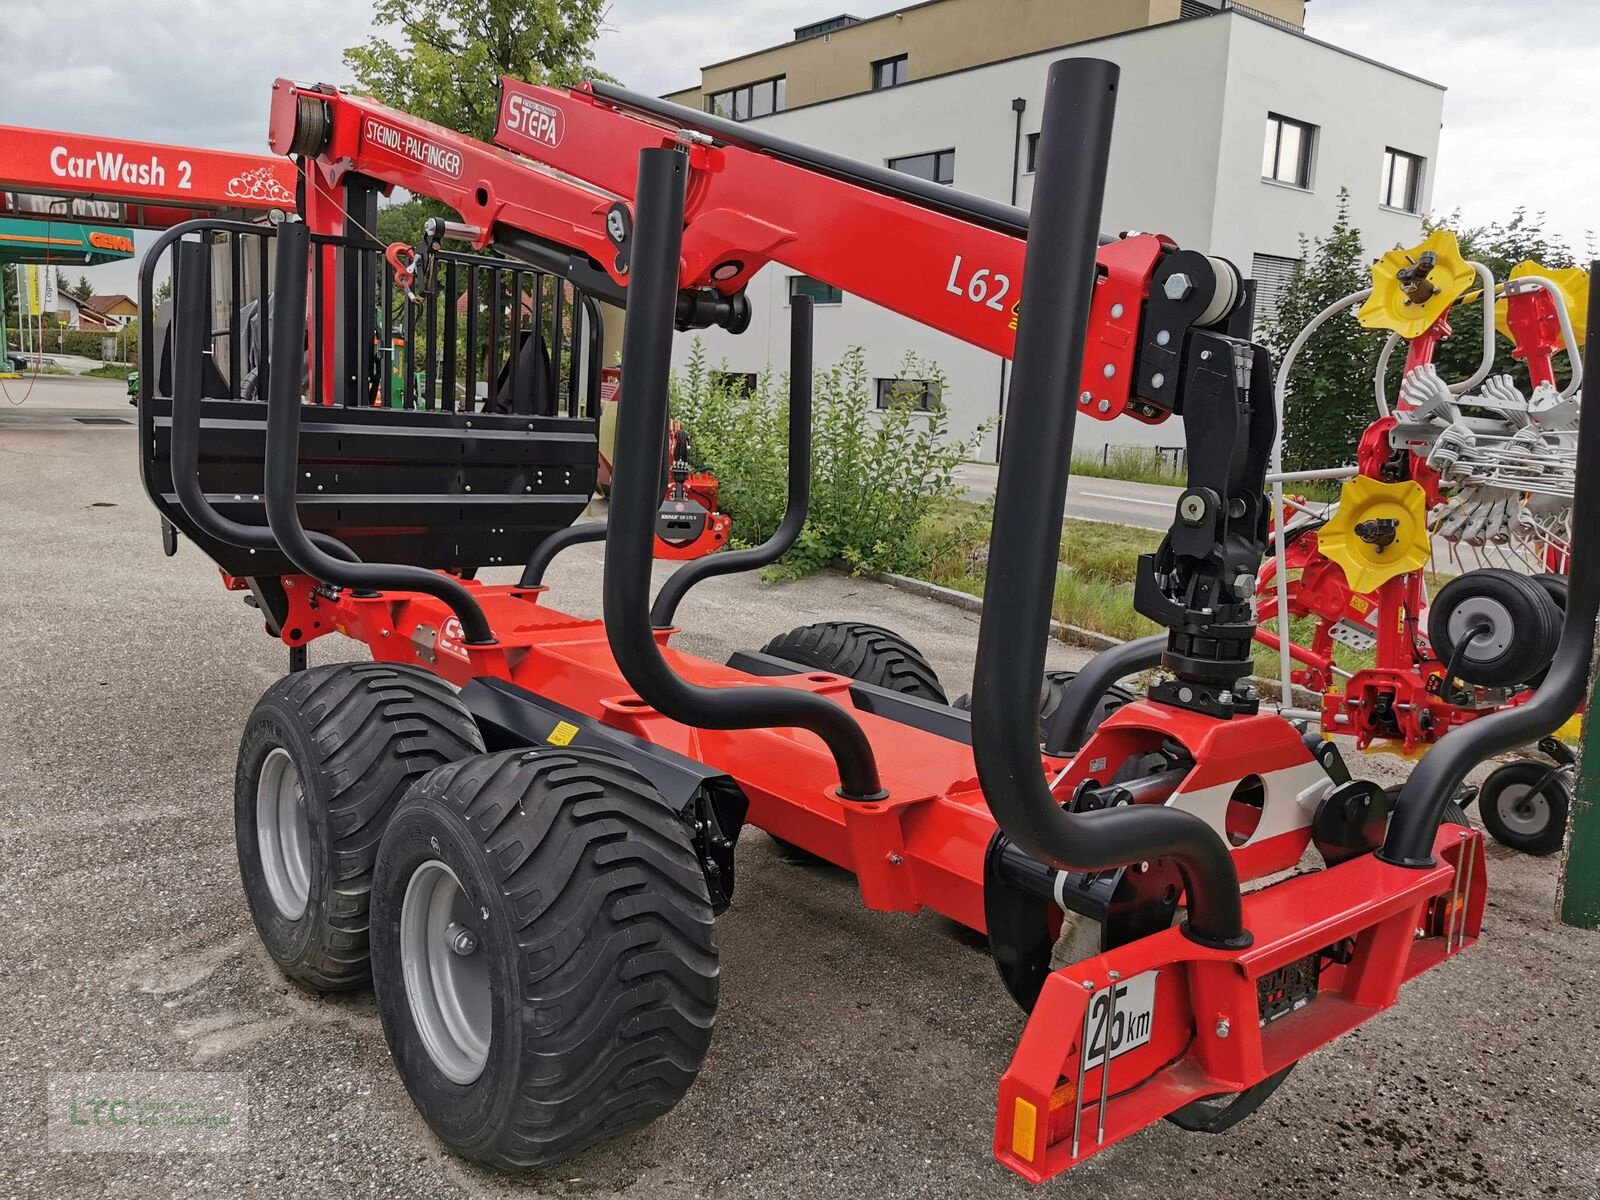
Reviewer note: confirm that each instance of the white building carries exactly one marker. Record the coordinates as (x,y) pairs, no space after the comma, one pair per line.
(1234,135)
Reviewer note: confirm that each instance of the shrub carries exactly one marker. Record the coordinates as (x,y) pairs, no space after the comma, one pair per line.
(877,476)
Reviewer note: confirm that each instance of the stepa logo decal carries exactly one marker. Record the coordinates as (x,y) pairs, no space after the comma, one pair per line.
(541,122)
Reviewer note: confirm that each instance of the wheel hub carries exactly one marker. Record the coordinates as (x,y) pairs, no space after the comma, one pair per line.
(1524,809)
(283,834)
(446,972)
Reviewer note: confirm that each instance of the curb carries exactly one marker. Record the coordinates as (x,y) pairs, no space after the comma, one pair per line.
(1072,635)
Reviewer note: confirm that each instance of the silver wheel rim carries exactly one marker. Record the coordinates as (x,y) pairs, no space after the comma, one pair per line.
(283,834)
(446,972)
(1523,809)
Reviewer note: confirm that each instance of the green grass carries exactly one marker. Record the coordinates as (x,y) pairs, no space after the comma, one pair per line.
(110,371)
(1137,464)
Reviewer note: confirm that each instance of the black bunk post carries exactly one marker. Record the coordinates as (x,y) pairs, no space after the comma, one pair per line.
(1035,461)
(794,515)
(188,350)
(283,460)
(1419,808)
(635,497)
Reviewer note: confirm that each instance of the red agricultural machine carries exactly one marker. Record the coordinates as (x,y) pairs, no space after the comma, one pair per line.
(1486,473)
(530,869)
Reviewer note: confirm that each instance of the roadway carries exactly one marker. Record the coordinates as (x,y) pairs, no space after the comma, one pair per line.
(1146,505)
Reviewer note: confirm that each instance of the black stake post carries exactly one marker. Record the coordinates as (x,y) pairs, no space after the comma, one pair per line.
(545,552)
(1420,806)
(794,515)
(1035,461)
(188,350)
(636,496)
(283,459)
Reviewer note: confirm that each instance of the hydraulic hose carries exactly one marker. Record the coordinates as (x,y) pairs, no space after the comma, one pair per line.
(1030,495)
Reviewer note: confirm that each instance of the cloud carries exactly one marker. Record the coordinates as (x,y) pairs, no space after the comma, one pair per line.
(1520,81)
(199,72)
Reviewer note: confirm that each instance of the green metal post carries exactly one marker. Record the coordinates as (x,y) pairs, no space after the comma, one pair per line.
(1580,871)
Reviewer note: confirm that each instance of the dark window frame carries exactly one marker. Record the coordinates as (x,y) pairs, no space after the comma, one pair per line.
(809,285)
(1276,124)
(738,104)
(921,395)
(1033,154)
(1411,202)
(746,381)
(899,75)
(939,157)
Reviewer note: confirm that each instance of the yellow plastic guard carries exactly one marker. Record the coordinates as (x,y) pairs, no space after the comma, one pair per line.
(1362,540)
(1574,285)
(1389,307)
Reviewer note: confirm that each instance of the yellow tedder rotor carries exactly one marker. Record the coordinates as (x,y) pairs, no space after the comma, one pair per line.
(1412,288)
(1573,283)
(1380,531)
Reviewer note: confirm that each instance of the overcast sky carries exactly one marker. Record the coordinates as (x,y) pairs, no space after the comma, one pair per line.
(1521,76)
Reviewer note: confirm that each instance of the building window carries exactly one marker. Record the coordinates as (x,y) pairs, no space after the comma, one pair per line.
(1033,152)
(889,72)
(753,100)
(743,382)
(820,293)
(938,166)
(1273,276)
(923,395)
(1286,156)
(1402,180)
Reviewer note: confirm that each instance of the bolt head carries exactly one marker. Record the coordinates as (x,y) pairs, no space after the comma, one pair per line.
(1244,584)
(1105,406)
(1178,286)
(1223,1028)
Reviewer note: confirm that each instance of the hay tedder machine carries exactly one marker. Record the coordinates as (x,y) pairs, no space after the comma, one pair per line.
(521,824)
(1473,466)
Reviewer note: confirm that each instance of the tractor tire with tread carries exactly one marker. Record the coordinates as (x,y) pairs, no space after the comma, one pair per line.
(584,893)
(869,653)
(861,651)
(347,741)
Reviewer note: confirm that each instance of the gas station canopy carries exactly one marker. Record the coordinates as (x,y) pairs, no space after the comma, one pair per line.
(61,242)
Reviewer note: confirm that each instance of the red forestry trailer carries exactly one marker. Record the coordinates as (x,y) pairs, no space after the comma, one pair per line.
(521,824)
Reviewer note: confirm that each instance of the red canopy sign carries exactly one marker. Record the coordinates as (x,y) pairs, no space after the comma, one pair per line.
(115,169)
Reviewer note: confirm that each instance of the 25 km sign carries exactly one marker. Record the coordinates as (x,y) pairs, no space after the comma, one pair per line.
(75,164)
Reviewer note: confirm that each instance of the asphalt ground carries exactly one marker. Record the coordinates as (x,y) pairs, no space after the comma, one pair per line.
(856,1053)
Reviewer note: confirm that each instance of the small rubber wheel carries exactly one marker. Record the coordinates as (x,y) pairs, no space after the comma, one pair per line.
(326,756)
(1521,621)
(1524,805)
(544,953)
(1050,693)
(869,653)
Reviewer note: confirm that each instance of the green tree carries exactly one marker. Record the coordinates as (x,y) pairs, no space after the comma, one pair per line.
(444,58)
(1329,394)
(84,290)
